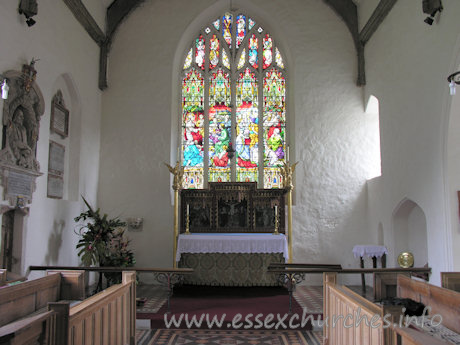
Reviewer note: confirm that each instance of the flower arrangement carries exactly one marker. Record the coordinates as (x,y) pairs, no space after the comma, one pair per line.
(102,242)
(118,255)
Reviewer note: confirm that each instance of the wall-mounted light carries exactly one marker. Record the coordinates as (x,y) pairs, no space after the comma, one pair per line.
(4,86)
(28,8)
(135,223)
(453,79)
(431,7)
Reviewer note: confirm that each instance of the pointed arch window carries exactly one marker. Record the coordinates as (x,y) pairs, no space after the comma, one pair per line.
(233,96)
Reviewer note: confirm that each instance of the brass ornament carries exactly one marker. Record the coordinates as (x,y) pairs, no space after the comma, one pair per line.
(178,172)
(406,260)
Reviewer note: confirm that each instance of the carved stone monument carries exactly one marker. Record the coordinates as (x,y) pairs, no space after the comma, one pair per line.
(21,121)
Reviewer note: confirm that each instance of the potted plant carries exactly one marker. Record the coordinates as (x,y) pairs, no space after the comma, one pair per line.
(102,243)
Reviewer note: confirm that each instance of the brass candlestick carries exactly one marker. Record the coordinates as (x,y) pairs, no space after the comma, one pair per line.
(187,221)
(276,221)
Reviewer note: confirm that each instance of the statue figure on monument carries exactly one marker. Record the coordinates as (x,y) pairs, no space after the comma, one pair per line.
(17,140)
(21,119)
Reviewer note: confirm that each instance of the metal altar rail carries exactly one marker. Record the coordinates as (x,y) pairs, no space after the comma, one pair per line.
(168,277)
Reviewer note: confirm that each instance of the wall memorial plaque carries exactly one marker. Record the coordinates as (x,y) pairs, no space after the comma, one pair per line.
(55,187)
(19,184)
(59,119)
(56,158)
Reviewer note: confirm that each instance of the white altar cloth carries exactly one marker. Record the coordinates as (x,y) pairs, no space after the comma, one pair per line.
(232,243)
(369,251)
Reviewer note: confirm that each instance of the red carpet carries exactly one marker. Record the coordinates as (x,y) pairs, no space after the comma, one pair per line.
(229,308)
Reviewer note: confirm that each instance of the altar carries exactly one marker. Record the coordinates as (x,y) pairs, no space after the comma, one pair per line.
(230,233)
(231,259)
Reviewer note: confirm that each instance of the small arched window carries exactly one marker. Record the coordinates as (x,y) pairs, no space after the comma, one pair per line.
(233,99)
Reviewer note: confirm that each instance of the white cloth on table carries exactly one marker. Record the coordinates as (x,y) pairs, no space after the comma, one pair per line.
(232,243)
(369,251)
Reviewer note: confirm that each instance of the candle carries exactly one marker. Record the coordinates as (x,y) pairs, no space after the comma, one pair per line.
(287,154)
(276,210)
(178,154)
(188,209)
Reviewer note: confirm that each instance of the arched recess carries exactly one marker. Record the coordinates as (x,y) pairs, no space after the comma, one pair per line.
(410,231)
(65,85)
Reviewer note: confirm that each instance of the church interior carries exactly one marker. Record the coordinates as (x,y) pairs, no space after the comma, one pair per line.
(221,147)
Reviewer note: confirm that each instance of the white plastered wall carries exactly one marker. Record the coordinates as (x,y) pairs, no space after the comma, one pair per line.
(331,136)
(453,162)
(407,63)
(68,61)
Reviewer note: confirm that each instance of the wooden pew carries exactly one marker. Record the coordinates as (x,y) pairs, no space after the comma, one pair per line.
(7,278)
(24,317)
(32,312)
(409,336)
(442,301)
(343,309)
(451,280)
(108,317)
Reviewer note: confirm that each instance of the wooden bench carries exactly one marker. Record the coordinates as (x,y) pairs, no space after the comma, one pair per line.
(451,280)
(33,312)
(339,301)
(24,317)
(108,317)
(8,278)
(352,318)
(442,301)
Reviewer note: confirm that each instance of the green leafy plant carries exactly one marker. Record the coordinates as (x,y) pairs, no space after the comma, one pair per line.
(95,235)
(102,242)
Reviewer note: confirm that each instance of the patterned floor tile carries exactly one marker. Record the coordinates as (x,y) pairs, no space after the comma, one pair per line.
(156,296)
(225,337)
(310,297)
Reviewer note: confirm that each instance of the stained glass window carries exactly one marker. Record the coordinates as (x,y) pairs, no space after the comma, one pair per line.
(274,118)
(242,59)
(217,72)
(216,24)
(240,29)
(188,59)
(200,52)
(227,28)
(253,47)
(219,127)
(279,59)
(225,60)
(267,43)
(247,127)
(251,23)
(214,53)
(192,129)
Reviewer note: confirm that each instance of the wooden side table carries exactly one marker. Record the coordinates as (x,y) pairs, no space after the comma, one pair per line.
(370,251)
